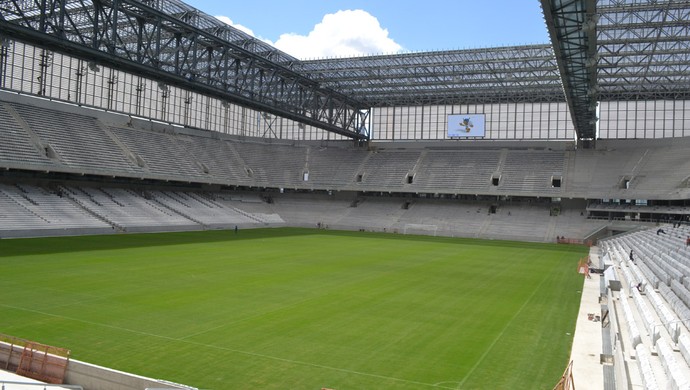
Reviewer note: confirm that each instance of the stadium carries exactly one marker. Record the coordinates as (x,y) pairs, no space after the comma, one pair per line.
(184,206)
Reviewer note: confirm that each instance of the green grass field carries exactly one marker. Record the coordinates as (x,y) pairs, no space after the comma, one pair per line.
(299,308)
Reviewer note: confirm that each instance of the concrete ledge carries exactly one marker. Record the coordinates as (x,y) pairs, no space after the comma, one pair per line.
(93,377)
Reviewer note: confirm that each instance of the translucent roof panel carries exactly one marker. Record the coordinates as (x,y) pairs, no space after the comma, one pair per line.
(506,74)
(643,49)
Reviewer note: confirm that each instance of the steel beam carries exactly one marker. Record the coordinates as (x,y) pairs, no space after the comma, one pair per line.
(572,27)
(135,37)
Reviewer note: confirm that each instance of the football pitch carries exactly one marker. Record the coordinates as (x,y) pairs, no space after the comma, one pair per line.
(299,308)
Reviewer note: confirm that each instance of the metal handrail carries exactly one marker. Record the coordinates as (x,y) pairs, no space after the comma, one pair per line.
(45,385)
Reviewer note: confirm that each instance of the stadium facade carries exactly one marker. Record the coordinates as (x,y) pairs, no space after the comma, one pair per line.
(600,115)
(151,115)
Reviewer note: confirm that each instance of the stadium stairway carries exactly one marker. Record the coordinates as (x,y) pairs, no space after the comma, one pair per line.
(28,210)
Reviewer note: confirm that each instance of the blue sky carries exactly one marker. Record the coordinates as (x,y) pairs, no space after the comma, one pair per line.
(316,28)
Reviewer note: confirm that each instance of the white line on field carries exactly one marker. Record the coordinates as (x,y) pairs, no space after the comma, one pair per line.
(189,336)
(498,337)
(254,354)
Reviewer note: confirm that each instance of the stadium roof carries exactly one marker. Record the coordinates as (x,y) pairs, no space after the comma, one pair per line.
(619,50)
(522,73)
(601,50)
(173,43)
(643,50)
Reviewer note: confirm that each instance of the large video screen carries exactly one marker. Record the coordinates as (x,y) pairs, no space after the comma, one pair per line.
(470,125)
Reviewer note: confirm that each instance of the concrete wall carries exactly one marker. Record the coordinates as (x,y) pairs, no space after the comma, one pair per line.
(89,376)
(93,377)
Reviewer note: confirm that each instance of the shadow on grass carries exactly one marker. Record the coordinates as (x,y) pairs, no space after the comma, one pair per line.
(47,245)
(460,240)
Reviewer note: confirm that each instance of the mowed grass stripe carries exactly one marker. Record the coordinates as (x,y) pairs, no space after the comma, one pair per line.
(417,310)
(252,354)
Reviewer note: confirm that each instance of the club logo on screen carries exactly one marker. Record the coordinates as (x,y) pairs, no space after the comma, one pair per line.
(467,124)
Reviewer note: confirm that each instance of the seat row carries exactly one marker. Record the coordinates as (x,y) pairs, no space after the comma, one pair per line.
(655,328)
(25,207)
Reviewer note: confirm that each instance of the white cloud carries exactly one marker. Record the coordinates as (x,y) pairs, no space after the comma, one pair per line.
(240,27)
(342,34)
